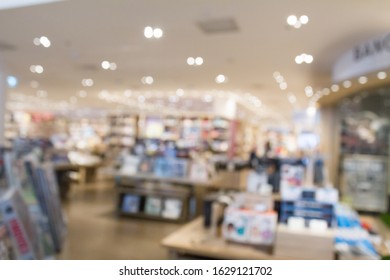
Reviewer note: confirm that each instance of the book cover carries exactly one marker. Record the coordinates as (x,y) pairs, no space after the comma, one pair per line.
(131,203)
(172,208)
(153,206)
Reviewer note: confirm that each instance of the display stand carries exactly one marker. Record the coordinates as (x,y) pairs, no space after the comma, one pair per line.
(194,240)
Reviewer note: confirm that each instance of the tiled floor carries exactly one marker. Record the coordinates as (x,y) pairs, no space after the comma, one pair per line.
(95,232)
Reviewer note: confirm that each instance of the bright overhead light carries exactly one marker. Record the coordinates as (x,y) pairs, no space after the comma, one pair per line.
(37,41)
(307,58)
(292,99)
(347,84)
(298,25)
(45,41)
(190,60)
(12,81)
(279,79)
(220,79)
(113,66)
(298,59)
(87,82)
(304,19)
(382,75)
(157,33)
(199,61)
(362,80)
(335,88)
(292,20)
(309,91)
(147,80)
(148,32)
(283,86)
(36,69)
(105,65)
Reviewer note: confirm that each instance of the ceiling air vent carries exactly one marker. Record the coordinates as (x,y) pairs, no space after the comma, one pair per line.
(214,26)
(6,47)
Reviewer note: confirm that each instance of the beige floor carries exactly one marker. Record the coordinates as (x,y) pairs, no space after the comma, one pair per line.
(95,232)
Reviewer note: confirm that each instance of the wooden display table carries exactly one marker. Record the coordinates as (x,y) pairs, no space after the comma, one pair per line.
(194,240)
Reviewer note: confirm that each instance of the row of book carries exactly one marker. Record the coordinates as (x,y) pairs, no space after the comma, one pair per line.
(32,225)
(169,208)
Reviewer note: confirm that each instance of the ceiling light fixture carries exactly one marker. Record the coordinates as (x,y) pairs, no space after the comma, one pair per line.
(347,84)
(382,75)
(283,86)
(304,58)
(36,69)
(309,91)
(362,80)
(220,79)
(296,22)
(147,80)
(150,32)
(12,81)
(44,41)
(106,65)
(335,88)
(87,82)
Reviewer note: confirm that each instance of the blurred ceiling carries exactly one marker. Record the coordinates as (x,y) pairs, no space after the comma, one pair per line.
(255,41)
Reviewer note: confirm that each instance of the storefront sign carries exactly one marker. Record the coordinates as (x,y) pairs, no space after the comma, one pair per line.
(373,55)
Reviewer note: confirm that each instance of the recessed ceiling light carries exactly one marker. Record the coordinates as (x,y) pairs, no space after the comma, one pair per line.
(37,41)
(279,79)
(190,60)
(292,99)
(113,66)
(36,69)
(105,65)
(157,33)
(87,82)
(283,85)
(148,32)
(382,75)
(335,88)
(220,79)
(147,80)
(307,58)
(347,84)
(362,80)
(292,20)
(199,61)
(309,91)
(44,41)
(304,19)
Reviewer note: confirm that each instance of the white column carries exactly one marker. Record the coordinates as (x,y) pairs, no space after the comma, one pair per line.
(3,89)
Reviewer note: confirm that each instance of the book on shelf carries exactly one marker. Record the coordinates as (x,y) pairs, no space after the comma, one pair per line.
(153,206)
(172,208)
(131,203)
